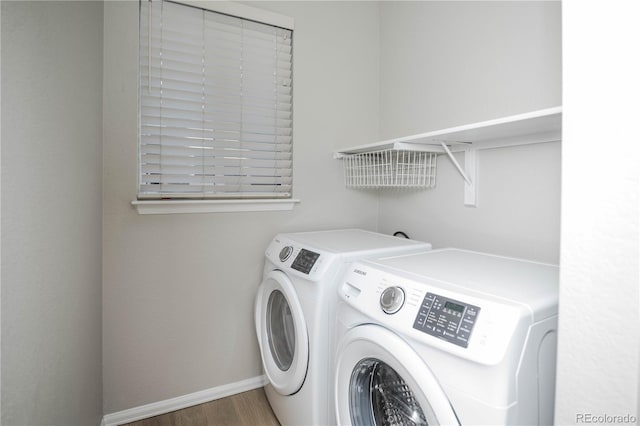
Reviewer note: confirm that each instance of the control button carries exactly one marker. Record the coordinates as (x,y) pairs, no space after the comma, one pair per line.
(391,300)
(285,253)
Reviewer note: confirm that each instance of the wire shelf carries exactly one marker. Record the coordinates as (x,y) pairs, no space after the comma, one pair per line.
(390,168)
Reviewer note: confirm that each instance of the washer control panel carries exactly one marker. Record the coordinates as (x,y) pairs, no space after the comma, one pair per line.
(450,317)
(447,319)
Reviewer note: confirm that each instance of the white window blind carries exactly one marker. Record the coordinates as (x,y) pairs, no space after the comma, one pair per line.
(215,105)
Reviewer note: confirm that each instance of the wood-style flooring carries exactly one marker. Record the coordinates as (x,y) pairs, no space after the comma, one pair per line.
(245,409)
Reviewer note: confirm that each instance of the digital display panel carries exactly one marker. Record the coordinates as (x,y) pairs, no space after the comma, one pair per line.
(454,306)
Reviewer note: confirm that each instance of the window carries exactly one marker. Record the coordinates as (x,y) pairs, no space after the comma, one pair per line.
(215,105)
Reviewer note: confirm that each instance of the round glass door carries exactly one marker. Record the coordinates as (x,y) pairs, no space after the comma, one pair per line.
(280,330)
(382,381)
(282,333)
(379,396)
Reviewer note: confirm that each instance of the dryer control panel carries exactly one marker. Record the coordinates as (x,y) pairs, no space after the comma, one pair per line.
(289,256)
(447,319)
(305,260)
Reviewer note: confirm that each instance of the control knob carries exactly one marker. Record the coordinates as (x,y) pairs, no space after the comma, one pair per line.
(392,299)
(285,253)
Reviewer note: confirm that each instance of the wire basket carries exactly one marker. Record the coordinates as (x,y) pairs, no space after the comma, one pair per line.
(390,168)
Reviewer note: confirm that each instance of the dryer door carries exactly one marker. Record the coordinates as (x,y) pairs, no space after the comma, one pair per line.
(282,333)
(380,380)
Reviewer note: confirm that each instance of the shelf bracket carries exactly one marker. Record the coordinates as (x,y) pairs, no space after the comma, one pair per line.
(471,188)
(469,173)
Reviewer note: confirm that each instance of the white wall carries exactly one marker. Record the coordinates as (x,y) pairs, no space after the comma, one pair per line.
(51,213)
(179,289)
(445,64)
(600,270)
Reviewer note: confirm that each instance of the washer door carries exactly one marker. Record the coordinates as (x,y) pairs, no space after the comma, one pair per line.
(380,380)
(282,333)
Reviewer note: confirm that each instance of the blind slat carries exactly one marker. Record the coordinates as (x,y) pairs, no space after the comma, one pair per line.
(215,105)
(202,138)
(271,168)
(224,191)
(257,149)
(180,159)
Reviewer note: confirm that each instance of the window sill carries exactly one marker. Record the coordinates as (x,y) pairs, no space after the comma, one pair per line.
(211,206)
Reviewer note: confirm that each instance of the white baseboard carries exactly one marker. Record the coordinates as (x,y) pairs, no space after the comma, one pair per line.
(177,403)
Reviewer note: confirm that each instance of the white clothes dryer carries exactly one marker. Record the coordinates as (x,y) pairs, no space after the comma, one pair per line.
(295,315)
(446,337)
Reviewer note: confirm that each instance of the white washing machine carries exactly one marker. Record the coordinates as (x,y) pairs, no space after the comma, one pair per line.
(446,337)
(295,315)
